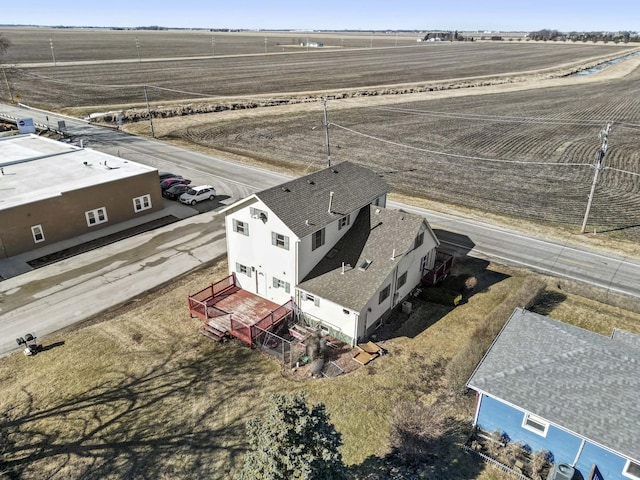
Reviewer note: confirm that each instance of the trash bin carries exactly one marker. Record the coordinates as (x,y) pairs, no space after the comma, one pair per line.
(406,307)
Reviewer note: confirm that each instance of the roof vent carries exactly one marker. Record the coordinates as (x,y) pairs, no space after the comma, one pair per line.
(311,182)
(365,264)
(333,170)
(285,189)
(378,211)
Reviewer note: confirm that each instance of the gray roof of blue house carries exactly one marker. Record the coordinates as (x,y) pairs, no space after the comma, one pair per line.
(579,380)
(303,204)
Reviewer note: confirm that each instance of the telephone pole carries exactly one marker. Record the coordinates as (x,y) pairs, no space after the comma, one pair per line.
(146,97)
(326,129)
(604,136)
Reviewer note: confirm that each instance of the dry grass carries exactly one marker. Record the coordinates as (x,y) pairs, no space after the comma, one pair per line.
(138,393)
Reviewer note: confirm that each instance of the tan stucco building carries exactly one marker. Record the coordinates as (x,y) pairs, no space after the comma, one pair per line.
(51,191)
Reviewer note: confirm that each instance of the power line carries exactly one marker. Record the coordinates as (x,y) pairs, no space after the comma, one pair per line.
(456,155)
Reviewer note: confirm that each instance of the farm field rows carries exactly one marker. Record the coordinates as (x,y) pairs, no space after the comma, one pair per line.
(254,73)
(497,152)
(438,149)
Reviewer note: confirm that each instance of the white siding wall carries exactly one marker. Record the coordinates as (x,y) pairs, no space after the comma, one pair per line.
(310,258)
(330,313)
(256,250)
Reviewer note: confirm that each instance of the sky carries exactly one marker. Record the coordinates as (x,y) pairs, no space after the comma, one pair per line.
(462,15)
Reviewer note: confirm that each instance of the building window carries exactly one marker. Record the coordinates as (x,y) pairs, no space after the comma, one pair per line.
(240,227)
(259,214)
(384,294)
(94,217)
(535,424)
(419,239)
(243,269)
(311,298)
(318,239)
(343,222)
(38,233)
(632,470)
(142,203)
(277,283)
(402,279)
(423,264)
(279,240)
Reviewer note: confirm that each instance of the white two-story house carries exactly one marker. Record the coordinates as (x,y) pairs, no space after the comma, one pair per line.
(327,241)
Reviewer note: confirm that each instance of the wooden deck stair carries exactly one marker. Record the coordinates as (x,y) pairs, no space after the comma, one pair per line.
(214,332)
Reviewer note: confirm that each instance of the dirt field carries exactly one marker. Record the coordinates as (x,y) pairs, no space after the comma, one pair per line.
(245,70)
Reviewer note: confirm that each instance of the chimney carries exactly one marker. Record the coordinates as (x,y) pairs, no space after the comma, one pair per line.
(330,202)
(393,255)
(342,268)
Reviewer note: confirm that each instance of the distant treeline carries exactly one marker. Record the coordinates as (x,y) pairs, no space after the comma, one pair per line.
(556,36)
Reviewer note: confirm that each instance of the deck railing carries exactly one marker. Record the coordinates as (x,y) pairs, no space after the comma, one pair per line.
(442,267)
(200,302)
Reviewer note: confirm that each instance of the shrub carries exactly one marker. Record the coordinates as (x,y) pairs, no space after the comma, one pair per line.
(462,365)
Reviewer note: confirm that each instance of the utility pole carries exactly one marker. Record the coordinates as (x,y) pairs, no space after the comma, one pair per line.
(53,54)
(6,80)
(604,136)
(138,49)
(326,129)
(146,97)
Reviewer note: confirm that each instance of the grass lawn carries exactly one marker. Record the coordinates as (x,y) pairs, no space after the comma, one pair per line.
(138,393)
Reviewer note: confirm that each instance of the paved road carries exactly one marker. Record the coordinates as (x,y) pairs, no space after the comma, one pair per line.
(64,293)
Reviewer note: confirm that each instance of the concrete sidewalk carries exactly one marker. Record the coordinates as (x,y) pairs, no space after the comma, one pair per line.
(50,298)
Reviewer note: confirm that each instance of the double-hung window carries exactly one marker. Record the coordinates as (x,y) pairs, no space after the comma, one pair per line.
(142,203)
(243,269)
(241,227)
(317,239)
(384,294)
(94,217)
(277,283)
(280,240)
(38,233)
(343,222)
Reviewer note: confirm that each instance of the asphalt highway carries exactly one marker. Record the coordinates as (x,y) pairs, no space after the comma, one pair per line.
(113,275)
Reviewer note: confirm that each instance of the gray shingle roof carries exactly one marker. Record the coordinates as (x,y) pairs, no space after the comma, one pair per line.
(571,377)
(374,235)
(307,198)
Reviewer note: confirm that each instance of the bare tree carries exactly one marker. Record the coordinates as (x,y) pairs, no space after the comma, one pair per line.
(5,43)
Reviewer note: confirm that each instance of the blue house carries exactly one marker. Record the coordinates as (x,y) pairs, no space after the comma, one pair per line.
(566,390)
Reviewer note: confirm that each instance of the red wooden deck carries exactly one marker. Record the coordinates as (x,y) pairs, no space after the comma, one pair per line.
(227,308)
(440,271)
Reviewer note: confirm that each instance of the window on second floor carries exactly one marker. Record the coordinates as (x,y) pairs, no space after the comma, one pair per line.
(142,203)
(240,227)
(419,239)
(343,222)
(317,240)
(94,217)
(402,279)
(384,294)
(280,240)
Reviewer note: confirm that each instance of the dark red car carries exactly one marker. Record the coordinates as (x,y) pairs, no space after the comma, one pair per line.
(164,184)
